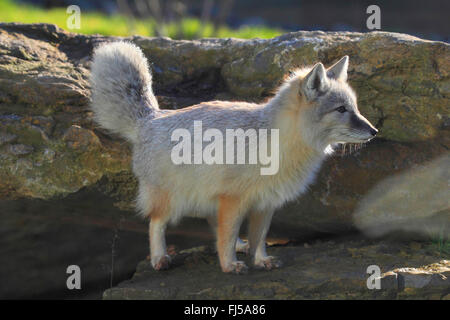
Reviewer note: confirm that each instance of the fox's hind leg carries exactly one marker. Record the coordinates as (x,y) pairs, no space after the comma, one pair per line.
(157,203)
(158,252)
(241,245)
(259,223)
(229,218)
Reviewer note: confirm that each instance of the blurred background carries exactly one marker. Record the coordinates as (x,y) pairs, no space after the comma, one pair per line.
(190,19)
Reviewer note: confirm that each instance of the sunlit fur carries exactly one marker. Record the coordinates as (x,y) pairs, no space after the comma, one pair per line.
(308,127)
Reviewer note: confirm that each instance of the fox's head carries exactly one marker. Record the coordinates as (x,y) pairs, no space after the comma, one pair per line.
(331,115)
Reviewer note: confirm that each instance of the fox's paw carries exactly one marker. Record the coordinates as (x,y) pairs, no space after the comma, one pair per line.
(161,263)
(236,267)
(268,263)
(242,246)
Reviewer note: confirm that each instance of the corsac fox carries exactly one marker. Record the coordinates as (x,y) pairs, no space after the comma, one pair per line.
(312,111)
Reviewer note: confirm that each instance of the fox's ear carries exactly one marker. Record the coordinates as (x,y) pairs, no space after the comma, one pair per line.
(338,70)
(316,82)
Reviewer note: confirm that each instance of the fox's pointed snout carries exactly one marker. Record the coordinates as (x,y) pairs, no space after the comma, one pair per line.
(359,122)
(372,130)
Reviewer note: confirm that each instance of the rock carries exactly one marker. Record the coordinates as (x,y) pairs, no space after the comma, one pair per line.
(40,239)
(325,270)
(20,149)
(402,83)
(434,275)
(6,137)
(77,137)
(432,281)
(408,201)
(386,187)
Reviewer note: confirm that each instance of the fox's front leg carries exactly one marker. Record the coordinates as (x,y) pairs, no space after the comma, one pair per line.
(229,219)
(241,245)
(259,223)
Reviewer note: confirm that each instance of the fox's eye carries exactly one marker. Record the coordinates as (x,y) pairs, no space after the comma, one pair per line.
(341,109)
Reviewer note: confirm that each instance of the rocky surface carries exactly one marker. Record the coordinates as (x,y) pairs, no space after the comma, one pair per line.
(334,269)
(50,148)
(40,239)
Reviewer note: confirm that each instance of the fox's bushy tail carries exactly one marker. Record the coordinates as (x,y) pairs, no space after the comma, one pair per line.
(121,88)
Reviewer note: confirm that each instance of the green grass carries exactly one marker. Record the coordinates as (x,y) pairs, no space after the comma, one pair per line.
(442,243)
(440,240)
(117,25)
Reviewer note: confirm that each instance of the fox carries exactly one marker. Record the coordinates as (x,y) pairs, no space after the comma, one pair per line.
(313,110)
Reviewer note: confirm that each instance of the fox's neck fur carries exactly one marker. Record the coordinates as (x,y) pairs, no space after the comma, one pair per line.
(289,109)
(300,155)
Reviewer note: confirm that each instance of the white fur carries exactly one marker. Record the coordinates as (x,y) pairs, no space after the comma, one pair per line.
(302,110)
